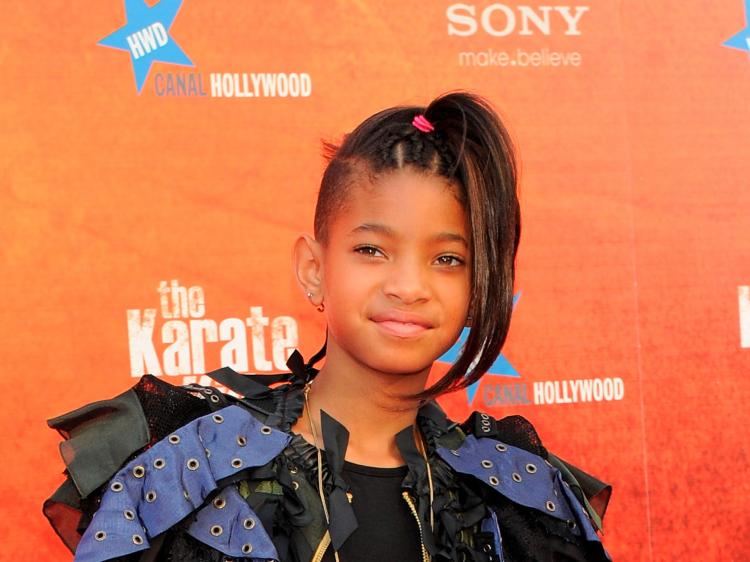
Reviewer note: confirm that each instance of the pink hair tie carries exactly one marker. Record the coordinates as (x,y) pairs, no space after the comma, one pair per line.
(421,123)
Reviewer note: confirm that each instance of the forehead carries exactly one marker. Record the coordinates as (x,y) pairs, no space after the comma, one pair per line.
(411,203)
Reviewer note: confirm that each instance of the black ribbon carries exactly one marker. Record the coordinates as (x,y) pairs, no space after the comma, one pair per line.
(335,440)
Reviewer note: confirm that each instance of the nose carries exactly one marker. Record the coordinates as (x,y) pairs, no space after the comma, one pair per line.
(407,281)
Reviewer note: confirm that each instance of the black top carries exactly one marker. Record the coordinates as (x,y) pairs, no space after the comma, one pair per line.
(386,529)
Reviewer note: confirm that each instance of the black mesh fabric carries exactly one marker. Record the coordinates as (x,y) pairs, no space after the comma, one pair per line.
(530,536)
(518,431)
(166,407)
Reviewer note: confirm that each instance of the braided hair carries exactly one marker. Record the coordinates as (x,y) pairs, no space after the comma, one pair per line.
(472,149)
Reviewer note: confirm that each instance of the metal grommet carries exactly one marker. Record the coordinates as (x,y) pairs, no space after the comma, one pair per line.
(248,523)
(501,448)
(159,463)
(293,470)
(139,471)
(208,391)
(137,540)
(241,440)
(247,548)
(237,463)
(531,468)
(150,496)
(295,484)
(487,548)
(218,418)
(174,439)
(550,505)
(486,423)
(214,399)
(100,535)
(494,481)
(116,486)
(484,416)
(193,464)
(216,530)
(129,514)
(486,463)
(455,453)
(571,524)
(265,430)
(220,503)
(516,477)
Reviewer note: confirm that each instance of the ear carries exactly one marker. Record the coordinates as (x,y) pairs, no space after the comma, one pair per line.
(308,267)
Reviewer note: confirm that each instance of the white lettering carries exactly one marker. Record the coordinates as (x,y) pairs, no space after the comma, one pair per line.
(583,390)
(141,344)
(234,353)
(619,392)
(201,331)
(510,20)
(528,14)
(135,46)
(160,33)
(177,355)
(572,19)
(146,36)
(305,84)
(538,393)
(196,302)
(216,85)
(282,84)
(455,17)
(501,20)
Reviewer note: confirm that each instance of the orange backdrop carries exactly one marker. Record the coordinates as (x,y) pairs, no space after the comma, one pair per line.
(633,125)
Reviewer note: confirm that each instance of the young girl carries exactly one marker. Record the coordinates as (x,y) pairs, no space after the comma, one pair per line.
(416,229)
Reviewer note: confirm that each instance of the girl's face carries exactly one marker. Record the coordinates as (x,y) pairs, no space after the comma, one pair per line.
(396,272)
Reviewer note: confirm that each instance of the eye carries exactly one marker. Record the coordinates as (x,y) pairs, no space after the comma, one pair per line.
(371,251)
(450,261)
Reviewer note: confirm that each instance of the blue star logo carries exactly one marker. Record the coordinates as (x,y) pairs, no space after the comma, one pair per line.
(146,37)
(741,40)
(500,368)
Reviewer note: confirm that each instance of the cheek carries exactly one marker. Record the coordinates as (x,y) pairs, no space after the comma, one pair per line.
(343,284)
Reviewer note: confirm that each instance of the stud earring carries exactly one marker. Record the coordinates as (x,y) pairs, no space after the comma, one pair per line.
(321,307)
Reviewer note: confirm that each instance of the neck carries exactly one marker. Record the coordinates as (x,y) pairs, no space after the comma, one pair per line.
(367,402)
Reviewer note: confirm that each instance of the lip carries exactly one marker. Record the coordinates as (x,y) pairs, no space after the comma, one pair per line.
(402,324)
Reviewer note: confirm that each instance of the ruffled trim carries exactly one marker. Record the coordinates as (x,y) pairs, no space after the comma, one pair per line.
(99,437)
(521,477)
(172,479)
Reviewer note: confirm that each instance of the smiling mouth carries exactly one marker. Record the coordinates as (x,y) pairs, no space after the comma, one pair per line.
(401,329)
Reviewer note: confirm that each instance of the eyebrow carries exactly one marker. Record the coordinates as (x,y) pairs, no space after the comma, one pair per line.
(390,233)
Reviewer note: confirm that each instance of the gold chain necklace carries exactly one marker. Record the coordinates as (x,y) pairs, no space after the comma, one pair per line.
(419,440)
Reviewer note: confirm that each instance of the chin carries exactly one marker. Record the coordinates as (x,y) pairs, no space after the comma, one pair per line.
(398,365)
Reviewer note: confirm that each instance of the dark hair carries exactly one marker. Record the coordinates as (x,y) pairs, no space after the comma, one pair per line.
(471,147)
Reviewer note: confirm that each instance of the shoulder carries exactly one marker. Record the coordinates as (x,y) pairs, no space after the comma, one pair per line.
(174,478)
(140,463)
(527,487)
